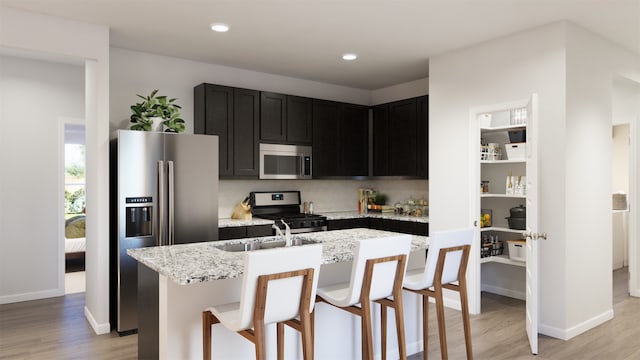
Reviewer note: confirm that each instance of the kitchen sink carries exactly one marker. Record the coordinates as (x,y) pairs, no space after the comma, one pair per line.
(270,243)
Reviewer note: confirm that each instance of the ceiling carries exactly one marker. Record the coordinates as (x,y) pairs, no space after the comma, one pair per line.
(306,38)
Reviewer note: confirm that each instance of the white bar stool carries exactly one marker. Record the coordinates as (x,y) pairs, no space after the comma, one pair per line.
(377,273)
(446,263)
(277,287)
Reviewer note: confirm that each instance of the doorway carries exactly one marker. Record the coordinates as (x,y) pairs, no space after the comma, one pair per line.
(625,118)
(74,207)
(620,211)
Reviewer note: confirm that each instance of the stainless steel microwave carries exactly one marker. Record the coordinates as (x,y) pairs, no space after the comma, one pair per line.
(279,161)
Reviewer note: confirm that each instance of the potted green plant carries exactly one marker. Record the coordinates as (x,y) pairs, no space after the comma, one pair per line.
(156,108)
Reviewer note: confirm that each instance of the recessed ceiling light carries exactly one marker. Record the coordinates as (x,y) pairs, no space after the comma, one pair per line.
(349,57)
(219,27)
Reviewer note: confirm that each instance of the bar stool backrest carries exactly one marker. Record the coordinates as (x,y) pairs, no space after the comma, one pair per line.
(283,295)
(440,240)
(383,273)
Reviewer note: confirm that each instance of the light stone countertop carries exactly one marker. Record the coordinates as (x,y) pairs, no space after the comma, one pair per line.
(330,216)
(237,222)
(354,215)
(200,262)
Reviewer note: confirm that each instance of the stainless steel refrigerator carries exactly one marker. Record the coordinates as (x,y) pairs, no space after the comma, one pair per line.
(164,191)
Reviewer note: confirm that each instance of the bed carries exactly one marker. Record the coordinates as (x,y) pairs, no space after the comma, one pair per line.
(75,241)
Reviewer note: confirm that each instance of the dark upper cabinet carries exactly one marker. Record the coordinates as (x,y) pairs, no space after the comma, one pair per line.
(273,116)
(400,142)
(299,120)
(213,115)
(326,140)
(354,136)
(285,118)
(232,114)
(340,139)
(422,159)
(246,126)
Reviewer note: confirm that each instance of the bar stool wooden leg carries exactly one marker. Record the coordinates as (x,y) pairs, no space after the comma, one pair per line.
(307,336)
(442,330)
(399,313)
(280,340)
(425,326)
(465,319)
(367,341)
(207,321)
(383,330)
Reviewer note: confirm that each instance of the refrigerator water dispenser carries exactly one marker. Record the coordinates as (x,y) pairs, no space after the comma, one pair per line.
(138,222)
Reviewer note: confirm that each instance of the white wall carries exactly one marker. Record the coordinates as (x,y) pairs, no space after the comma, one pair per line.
(554,61)
(134,72)
(327,195)
(400,91)
(51,36)
(35,95)
(620,159)
(138,73)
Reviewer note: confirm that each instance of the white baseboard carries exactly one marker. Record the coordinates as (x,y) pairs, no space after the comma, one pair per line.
(504,292)
(8,299)
(566,334)
(634,292)
(99,329)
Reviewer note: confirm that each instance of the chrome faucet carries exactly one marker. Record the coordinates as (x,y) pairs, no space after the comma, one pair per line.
(279,233)
(287,232)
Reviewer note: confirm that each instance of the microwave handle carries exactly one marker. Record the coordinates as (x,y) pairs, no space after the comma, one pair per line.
(301,165)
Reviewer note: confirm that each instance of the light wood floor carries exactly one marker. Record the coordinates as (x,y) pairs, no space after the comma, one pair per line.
(56,329)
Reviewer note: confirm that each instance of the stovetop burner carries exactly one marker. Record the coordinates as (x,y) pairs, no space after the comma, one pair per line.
(285,205)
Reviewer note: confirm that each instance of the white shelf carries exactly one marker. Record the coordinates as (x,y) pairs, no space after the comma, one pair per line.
(508,161)
(502,229)
(489,195)
(502,259)
(503,128)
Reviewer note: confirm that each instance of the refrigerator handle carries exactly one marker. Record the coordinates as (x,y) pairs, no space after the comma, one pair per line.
(170,184)
(161,205)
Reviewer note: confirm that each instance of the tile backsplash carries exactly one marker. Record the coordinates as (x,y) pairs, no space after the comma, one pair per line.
(327,195)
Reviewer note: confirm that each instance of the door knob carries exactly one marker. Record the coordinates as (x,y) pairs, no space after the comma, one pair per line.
(534,235)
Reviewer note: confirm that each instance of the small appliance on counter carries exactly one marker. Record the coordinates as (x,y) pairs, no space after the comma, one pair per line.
(285,205)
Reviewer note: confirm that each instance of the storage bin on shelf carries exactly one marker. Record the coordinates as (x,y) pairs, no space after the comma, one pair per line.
(515,151)
(517,250)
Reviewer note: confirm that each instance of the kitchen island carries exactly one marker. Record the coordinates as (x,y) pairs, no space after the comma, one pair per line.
(191,277)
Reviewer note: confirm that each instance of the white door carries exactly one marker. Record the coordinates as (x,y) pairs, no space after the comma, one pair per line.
(532,289)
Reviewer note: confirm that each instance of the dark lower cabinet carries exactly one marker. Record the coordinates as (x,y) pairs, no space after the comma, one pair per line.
(340,139)
(241,232)
(405,227)
(342,224)
(233,115)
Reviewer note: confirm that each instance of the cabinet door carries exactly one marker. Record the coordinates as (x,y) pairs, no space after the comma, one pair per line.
(402,138)
(380,129)
(326,139)
(355,140)
(299,120)
(245,133)
(341,224)
(234,232)
(259,230)
(422,155)
(214,115)
(273,112)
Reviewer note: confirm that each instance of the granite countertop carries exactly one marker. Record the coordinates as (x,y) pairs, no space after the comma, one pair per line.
(239,222)
(200,262)
(354,215)
(330,216)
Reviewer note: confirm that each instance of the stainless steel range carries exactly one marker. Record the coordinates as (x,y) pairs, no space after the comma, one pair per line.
(285,205)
